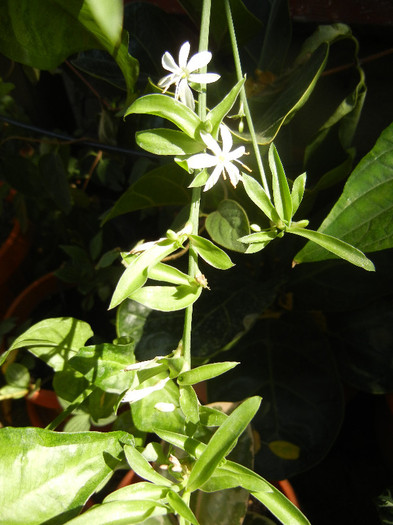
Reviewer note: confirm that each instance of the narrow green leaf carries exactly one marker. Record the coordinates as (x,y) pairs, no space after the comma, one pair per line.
(120,513)
(205,372)
(281,507)
(264,236)
(259,197)
(281,194)
(192,446)
(136,273)
(222,442)
(170,109)
(231,475)
(336,246)
(298,187)
(167,298)
(138,491)
(211,417)
(211,253)
(189,403)
(169,274)
(181,508)
(168,142)
(53,340)
(143,468)
(200,179)
(217,114)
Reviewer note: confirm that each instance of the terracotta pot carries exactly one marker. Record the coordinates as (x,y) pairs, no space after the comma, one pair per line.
(287,489)
(42,407)
(12,253)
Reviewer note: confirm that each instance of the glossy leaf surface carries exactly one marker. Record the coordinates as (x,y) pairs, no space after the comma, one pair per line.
(53,340)
(362,214)
(170,109)
(227,224)
(222,442)
(168,142)
(42,464)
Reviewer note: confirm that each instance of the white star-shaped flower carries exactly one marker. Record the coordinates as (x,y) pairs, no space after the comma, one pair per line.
(222,160)
(184,73)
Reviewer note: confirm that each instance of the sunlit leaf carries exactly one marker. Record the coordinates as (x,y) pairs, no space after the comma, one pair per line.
(53,340)
(222,442)
(41,464)
(168,142)
(170,109)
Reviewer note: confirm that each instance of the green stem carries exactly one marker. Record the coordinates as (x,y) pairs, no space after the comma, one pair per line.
(196,192)
(243,96)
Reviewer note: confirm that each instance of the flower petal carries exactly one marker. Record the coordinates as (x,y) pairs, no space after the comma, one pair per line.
(185,94)
(169,63)
(202,160)
(227,141)
(212,180)
(203,78)
(236,153)
(211,143)
(233,172)
(183,54)
(198,61)
(167,81)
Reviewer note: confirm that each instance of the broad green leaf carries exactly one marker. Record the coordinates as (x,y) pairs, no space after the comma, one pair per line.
(17,375)
(143,468)
(217,114)
(120,513)
(297,193)
(281,507)
(259,197)
(53,340)
(27,35)
(189,403)
(170,109)
(281,194)
(181,508)
(222,442)
(336,246)
(168,142)
(204,372)
(227,224)
(41,464)
(130,319)
(148,419)
(138,491)
(167,298)
(362,214)
(211,253)
(291,93)
(136,273)
(169,274)
(103,365)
